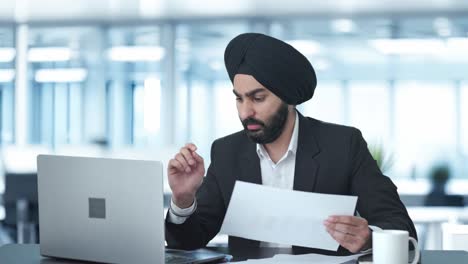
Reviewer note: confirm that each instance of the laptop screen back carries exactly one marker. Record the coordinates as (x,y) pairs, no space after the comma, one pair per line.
(99,209)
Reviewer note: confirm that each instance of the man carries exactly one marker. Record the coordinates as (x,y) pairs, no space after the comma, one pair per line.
(281,148)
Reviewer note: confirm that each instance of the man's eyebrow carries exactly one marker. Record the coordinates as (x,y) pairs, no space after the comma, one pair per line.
(251,93)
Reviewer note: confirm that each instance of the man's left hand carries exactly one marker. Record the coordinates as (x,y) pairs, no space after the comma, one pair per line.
(350,232)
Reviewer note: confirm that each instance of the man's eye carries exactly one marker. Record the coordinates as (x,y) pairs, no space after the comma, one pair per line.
(238,99)
(259,99)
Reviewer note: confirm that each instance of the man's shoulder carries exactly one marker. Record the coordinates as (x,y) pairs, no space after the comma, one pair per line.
(332,138)
(235,139)
(231,146)
(327,128)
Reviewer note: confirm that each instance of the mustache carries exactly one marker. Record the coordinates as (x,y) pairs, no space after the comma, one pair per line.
(252,121)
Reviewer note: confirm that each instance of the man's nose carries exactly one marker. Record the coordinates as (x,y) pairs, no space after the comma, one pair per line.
(246,110)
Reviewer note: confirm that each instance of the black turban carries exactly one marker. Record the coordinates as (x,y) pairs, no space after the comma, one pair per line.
(275,64)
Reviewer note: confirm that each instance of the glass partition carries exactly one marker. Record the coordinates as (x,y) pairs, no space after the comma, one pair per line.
(7,81)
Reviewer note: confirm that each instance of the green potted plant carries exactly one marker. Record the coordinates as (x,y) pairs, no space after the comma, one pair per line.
(384,159)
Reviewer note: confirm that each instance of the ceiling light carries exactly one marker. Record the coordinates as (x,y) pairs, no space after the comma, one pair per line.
(49,54)
(7,75)
(343,25)
(61,75)
(408,46)
(7,54)
(136,53)
(306,47)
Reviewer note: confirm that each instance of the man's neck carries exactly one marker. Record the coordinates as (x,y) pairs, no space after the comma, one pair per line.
(278,148)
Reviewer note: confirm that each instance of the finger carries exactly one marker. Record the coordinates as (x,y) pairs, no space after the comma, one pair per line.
(360,231)
(358,234)
(197,157)
(346,219)
(344,228)
(191,146)
(357,239)
(347,241)
(340,237)
(187,155)
(175,165)
(180,158)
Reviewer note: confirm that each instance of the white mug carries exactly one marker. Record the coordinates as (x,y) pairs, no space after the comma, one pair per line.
(391,247)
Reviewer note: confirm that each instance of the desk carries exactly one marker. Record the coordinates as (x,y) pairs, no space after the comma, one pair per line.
(431,214)
(29,254)
(432,218)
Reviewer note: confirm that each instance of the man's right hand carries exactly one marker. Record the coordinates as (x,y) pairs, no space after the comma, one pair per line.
(185,172)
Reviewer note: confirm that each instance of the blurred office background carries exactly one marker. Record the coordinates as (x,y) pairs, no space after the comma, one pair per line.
(139,79)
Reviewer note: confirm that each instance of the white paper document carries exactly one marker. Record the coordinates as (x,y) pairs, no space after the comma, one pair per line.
(283,216)
(303,259)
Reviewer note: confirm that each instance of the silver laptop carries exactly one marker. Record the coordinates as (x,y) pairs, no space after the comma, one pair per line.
(104,210)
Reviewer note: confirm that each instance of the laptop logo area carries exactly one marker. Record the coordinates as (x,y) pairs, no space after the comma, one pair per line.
(97,208)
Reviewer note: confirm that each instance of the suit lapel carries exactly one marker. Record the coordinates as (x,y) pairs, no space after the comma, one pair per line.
(250,164)
(305,173)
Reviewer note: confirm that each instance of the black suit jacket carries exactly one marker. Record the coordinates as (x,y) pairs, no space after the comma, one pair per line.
(330,159)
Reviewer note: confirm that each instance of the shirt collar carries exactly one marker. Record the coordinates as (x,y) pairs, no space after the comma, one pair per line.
(262,153)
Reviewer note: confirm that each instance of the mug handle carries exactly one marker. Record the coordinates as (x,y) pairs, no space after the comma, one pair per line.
(416,250)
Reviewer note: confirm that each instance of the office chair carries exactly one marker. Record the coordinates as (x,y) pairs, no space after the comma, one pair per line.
(21,206)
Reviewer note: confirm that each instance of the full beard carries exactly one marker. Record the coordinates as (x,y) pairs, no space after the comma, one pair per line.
(271,129)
